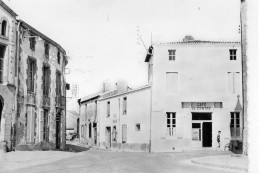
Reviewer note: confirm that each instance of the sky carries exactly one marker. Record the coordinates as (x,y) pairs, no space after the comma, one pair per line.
(101,36)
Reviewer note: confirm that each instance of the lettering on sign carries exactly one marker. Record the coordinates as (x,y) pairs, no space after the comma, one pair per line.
(201,106)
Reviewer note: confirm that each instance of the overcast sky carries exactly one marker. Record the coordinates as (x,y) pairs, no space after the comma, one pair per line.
(101,35)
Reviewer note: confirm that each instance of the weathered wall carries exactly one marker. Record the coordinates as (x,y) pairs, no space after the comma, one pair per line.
(7,88)
(35,100)
(202,77)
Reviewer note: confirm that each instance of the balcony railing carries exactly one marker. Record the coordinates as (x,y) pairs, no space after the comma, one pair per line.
(46,101)
(60,101)
(31,98)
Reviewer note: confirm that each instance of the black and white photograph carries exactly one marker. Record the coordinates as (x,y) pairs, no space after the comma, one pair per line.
(129,86)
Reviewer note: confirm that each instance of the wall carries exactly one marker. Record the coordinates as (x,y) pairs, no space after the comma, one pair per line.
(7,88)
(35,100)
(202,77)
(138,111)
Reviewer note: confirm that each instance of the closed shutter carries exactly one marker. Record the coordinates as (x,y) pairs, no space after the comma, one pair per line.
(41,126)
(124,133)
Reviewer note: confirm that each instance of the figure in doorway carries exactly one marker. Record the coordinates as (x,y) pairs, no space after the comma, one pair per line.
(218,139)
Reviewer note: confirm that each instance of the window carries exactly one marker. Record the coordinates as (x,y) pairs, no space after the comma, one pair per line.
(114,134)
(124,133)
(32,43)
(4,27)
(171,83)
(108,109)
(232,54)
(46,80)
(2,54)
(124,106)
(45,126)
(171,123)
(31,75)
(234,83)
(172,55)
(46,49)
(235,124)
(58,84)
(138,127)
(58,55)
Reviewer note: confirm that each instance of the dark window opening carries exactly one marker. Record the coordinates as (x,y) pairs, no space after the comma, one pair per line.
(172,55)
(45,126)
(58,57)
(138,127)
(89,130)
(171,123)
(108,109)
(232,54)
(31,75)
(2,54)
(201,116)
(124,106)
(58,84)
(46,49)
(32,43)
(4,27)
(46,80)
(114,134)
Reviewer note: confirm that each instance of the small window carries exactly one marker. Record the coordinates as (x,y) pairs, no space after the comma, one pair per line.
(172,55)
(46,49)
(58,57)
(32,43)
(233,54)
(3,29)
(108,109)
(171,123)
(124,106)
(138,127)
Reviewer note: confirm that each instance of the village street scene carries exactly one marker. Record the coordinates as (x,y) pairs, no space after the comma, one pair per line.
(128,86)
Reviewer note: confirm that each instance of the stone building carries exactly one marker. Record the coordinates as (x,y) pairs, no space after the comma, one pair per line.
(196,92)
(8,71)
(41,100)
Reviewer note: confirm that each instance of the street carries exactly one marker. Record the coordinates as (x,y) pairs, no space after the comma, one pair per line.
(96,160)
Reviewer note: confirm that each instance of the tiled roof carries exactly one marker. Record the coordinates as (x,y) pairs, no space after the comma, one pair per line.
(8,9)
(201,42)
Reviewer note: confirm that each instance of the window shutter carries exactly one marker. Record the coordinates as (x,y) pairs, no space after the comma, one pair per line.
(41,126)
(124,133)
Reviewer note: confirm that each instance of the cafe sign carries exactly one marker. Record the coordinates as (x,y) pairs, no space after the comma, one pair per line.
(201,106)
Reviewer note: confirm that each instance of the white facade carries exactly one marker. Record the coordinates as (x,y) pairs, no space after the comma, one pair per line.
(200,76)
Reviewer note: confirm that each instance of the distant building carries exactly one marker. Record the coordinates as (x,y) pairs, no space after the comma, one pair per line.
(196,92)
(75,90)
(72,121)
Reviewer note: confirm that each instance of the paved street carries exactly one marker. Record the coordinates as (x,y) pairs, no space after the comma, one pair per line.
(96,160)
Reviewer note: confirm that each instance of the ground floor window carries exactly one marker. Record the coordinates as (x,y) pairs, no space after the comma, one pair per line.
(235,124)
(46,125)
(171,123)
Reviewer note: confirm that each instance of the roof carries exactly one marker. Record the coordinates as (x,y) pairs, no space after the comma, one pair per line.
(90,97)
(8,9)
(38,33)
(200,42)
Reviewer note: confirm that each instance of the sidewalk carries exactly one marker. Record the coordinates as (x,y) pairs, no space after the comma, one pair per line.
(233,162)
(20,159)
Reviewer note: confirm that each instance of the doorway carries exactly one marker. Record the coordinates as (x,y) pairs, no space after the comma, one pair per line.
(108,137)
(201,129)
(95,133)
(1,108)
(58,124)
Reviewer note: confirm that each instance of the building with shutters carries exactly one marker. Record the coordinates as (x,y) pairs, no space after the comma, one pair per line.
(41,97)
(8,72)
(196,92)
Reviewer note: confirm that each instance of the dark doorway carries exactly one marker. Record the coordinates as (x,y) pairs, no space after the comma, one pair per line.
(207,134)
(108,136)
(58,123)
(95,133)
(1,108)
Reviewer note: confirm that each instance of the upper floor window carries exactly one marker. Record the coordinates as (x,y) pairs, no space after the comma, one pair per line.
(58,83)
(2,54)
(4,28)
(58,57)
(233,54)
(46,80)
(46,49)
(172,55)
(32,43)
(31,75)
(124,106)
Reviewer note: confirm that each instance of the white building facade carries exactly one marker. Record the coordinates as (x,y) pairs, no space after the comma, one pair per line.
(196,92)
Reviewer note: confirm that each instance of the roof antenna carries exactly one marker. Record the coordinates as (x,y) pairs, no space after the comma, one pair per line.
(139,37)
